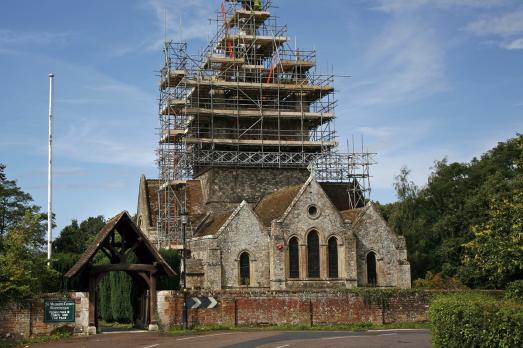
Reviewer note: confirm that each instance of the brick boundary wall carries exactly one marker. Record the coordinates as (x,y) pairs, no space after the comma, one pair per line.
(27,318)
(298,308)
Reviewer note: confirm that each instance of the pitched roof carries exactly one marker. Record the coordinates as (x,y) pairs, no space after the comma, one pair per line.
(195,202)
(145,251)
(273,205)
(339,195)
(353,215)
(212,224)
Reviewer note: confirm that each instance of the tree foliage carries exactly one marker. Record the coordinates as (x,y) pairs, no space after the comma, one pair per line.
(121,286)
(496,251)
(459,203)
(75,238)
(13,203)
(173,259)
(23,262)
(23,265)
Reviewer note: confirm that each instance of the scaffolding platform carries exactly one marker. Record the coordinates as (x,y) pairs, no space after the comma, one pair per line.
(257,18)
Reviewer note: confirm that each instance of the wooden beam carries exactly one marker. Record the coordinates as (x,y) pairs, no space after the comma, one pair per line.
(107,253)
(137,267)
(134,246)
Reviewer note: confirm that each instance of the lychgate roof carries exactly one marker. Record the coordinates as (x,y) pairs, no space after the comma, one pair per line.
(132,237)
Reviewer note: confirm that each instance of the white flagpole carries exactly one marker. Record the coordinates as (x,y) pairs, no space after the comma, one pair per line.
(50,173)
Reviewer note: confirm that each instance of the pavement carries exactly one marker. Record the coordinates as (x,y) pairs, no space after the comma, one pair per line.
(247,339)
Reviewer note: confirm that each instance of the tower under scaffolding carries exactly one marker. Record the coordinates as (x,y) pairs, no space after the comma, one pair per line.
(249,100)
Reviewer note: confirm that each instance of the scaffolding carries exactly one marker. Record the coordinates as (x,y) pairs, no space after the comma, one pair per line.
(249,100)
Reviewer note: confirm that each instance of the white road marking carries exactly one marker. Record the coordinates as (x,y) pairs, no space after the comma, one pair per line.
(203,336)
(388,334)
(285,345)
(338,337)
(154,345)
(124,332)
(390,330)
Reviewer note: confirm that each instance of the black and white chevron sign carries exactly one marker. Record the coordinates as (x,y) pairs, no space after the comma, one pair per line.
(201,302)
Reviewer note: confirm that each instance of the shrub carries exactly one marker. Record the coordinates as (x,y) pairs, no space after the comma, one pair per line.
(439,281)
(475,320)
(514,291)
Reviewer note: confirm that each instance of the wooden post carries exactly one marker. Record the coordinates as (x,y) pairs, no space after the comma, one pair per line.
(153,310)
(91,330)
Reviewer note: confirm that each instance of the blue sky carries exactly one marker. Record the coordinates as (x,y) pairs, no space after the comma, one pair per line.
(430,79)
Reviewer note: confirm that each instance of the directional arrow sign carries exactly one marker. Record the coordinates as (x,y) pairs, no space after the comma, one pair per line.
(196,301)
(201,302)
(213,302)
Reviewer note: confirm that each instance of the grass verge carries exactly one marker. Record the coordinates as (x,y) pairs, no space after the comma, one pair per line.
(32,340)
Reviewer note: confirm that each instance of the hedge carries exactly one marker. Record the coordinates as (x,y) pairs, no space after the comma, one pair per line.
(514,291)
(475,320)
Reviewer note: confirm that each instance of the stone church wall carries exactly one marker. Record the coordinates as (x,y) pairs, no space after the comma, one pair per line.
(244,233)
(225,188)
(393,269)
(327,223)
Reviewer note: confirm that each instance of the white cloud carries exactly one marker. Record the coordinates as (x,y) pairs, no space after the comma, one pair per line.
(12,38)
(186,20)
(405,62)
(503,25)
(176,20)
(409,5)
(91,141)
(514,44)
(505,29)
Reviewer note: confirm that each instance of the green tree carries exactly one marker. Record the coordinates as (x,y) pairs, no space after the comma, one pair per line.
(496,251)
(13,203)
(75,238)
(172,258)
(121,285)
(23,264)
(105,310)
(437,219)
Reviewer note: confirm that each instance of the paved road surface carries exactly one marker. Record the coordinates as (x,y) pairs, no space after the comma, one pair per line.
(263,339)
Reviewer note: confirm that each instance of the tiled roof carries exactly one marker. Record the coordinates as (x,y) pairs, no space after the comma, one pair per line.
(352,214)
(273,205)
(145,252)
(212,224)
(339,194)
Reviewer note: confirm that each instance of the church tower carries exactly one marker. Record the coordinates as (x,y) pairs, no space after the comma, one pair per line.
(245,118)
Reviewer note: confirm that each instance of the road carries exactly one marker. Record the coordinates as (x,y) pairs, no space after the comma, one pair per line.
(247,339)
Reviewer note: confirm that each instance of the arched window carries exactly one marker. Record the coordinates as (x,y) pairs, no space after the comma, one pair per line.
(372,278)
(313,255)
(245,269)
(294,258)
(333,257)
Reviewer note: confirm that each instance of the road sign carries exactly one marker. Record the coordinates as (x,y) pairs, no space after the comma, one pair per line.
(202,302)
(59,311)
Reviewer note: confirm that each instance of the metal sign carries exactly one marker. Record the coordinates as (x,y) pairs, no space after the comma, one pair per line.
(202,302)
(59,311)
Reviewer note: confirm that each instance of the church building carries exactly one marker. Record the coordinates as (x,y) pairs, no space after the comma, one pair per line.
(252,185)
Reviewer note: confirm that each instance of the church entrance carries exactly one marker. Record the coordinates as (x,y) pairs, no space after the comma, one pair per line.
(120,248)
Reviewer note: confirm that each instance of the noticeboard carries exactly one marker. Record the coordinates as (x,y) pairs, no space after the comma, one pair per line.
(59,311)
